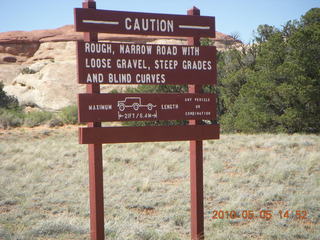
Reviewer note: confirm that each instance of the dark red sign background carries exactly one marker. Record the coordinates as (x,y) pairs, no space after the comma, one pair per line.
(146,107)
(165,64)
(105,21)
(98,135)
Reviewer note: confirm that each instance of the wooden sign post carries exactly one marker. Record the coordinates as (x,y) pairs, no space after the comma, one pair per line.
(95,158)
(196,162)
(123,63)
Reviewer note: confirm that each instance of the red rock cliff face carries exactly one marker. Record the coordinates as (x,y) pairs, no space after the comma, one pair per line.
(67,33)
(25,44)
(39,67)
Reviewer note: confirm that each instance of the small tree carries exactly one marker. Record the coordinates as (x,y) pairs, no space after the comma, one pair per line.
(6,101)
(10,113)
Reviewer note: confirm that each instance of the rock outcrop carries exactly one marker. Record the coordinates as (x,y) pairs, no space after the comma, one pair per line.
(39,67)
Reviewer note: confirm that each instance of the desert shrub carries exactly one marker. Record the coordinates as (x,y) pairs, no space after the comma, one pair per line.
(4,234)
(114,91)
(55,122)
(69,115)
(7,101)
(147,235)
(27,70)
(11,118)
(33,119)
(10,112)
(53,228)
(170,236)
(179,220)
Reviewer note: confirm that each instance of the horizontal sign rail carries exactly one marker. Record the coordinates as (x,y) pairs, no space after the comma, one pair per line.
(105,21)
(122,63)
(148,134)
(146,107)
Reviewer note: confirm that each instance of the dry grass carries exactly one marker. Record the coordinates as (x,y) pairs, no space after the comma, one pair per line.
(44,187)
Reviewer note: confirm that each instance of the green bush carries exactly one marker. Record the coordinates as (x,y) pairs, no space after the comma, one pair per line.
(12,115)
(7,101)
(69,115)
(273,86)
(11,118)
(170,236)
(10,112)
(55,122)
(33,119)
(55,227)
(147,235)
(27,70)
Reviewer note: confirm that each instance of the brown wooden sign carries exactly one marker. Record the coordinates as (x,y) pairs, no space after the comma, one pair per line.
(148,134)
(122,63)
(146,107)
(105,21)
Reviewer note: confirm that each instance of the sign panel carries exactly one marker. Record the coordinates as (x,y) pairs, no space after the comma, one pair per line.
(148,134)
(105,21)
(123,63)
(146,107)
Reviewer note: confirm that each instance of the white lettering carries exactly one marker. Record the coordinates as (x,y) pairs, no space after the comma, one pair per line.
(135,49)
(197,113)
(95,78)
(190,51)
(167,50)
(197,65)
(97,63)
(166,64)
(146,24)
(170,26)
(202,99)
(152,24)
(131,64)
(119,78)
(150,78)
(127,23)
(169,106)
(99,107)
(97,48)
(136,25)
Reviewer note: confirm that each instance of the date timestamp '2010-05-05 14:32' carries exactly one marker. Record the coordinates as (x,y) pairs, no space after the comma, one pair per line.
(260,214)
